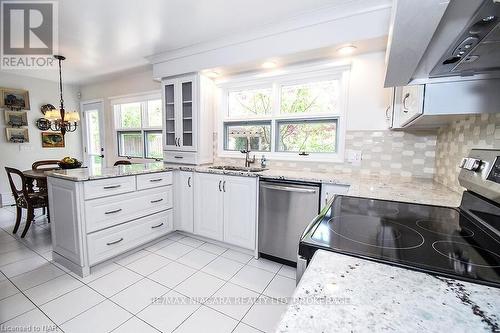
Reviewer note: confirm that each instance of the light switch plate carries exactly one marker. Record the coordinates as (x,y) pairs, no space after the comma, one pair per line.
(354,156)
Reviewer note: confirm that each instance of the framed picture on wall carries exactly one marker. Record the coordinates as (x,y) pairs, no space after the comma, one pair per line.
(17,135)
(52,140)
(16,118)
(14,99)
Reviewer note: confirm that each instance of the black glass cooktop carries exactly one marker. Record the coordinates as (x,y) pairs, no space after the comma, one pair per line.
(435,239)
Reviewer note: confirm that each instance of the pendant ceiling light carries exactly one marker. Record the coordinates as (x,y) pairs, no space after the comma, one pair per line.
(60,120)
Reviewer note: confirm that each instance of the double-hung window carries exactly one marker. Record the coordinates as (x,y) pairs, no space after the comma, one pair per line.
(291,116)
(138,124)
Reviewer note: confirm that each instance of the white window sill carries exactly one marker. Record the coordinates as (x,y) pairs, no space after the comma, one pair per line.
(295,157)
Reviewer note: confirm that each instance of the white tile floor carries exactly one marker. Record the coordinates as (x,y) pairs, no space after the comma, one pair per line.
(198,287)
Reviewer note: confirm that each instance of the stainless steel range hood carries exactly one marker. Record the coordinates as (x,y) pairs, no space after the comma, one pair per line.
(477,47)
(449,40)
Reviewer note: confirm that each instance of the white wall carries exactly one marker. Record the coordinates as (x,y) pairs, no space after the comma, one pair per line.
(368,99)
(128,83)
(12,155)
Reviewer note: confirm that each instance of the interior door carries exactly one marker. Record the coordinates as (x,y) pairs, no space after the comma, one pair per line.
(208,202)
(93,133)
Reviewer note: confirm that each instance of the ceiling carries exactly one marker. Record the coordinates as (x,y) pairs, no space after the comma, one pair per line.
(103,37)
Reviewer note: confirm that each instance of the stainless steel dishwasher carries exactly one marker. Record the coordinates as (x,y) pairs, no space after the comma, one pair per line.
(285,209)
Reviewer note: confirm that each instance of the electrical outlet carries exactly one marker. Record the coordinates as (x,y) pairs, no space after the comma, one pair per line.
(354,156)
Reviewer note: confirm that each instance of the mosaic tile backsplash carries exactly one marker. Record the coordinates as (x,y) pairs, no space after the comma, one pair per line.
(384,153)
(455,141)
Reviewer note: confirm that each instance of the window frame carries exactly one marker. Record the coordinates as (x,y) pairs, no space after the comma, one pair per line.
(323,71)
(142,99)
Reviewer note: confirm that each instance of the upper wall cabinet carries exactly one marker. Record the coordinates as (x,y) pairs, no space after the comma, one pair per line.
(188,119)
(437,104)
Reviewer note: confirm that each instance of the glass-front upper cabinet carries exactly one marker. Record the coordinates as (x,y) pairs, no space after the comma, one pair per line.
(170,122)
(187,113)
(180,113)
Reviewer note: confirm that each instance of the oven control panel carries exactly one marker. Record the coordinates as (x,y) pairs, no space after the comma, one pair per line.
(494,175)
(480,173)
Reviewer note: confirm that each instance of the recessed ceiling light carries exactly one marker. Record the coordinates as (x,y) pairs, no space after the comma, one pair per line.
(212,74)
(346,50)
(268,64)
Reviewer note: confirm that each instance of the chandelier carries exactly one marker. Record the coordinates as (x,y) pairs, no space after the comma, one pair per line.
(60,120)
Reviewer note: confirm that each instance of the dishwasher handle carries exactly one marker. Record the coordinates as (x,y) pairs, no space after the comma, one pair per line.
(289,188)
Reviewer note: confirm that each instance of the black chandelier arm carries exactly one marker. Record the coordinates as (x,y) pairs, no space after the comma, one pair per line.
(61,86)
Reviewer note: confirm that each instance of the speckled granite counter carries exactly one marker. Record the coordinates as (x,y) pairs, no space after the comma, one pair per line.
(83,174)
(339,293)
(414,190)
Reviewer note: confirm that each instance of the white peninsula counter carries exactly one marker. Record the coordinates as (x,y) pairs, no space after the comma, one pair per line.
(100,213)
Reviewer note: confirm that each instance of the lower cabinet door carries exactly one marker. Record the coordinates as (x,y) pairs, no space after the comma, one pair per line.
(113,241)
(208,204)
(186,199)
(240,211)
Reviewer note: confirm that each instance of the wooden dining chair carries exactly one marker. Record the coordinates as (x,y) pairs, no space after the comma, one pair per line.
(25,199)
(42,165)
(122,162)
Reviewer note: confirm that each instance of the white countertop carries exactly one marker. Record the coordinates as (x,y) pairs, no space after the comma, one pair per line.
(406,189)
(340,293)
(414,190)
(85,174)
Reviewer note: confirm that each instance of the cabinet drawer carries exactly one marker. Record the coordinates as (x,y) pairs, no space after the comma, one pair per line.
(106,212)
(106,187)
(108,243)
(154,180)
(180,157)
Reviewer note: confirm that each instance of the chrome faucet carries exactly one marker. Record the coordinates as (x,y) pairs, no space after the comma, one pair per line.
(248,161)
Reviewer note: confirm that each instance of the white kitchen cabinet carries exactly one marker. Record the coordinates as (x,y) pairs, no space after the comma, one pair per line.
(240,210)
(225,208)
(184,210)
(208,206)
(412,103)
(94,220)
(188,119)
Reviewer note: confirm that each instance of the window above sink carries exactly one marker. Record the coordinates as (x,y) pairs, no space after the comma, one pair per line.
(299,115)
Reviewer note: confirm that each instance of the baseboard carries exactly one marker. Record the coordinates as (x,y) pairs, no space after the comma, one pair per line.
(6,199)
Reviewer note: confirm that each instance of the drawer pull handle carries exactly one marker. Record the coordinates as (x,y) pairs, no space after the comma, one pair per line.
(115,242)
(156,226)
(158,200)
(156,180)
(179,157)
(111,186)
(113,211)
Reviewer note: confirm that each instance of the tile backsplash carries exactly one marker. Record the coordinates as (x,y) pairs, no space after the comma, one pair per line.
(455,141)
(385,153)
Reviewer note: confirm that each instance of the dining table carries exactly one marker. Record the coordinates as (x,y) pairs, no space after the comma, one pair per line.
(37,176)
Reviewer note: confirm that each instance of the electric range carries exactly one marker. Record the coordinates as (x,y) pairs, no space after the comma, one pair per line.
(461,243)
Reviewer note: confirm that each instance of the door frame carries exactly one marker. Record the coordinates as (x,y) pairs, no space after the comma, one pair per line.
(101,127)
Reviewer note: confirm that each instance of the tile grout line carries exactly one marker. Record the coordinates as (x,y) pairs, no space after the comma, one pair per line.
(36,306)
(169,289)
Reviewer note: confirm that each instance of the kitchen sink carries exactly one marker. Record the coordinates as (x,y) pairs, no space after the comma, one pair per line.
(237,168)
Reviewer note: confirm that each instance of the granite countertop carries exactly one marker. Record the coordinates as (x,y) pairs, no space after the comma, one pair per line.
(413,190)
(84,174)
(340,293)
(394,188)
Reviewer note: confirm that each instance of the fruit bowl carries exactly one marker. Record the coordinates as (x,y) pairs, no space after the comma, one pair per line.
(69,163)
